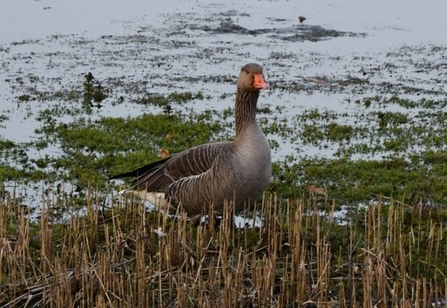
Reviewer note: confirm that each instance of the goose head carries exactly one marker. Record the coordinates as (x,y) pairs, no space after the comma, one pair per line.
(251,78)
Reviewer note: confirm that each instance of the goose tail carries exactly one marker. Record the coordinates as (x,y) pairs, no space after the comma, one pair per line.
(137,173)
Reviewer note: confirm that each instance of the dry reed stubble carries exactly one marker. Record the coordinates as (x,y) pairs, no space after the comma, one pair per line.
(127,257)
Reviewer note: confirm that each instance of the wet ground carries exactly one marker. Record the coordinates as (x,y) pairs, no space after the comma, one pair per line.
(338,67)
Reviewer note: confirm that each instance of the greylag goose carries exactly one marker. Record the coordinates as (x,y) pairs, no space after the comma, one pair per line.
(204,177)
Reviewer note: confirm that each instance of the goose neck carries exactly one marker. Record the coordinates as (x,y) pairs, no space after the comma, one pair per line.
(245,109)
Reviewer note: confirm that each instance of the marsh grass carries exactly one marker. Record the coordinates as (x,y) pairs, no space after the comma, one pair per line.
(389,255)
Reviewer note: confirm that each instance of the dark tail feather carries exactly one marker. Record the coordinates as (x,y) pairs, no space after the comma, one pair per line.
(140,171)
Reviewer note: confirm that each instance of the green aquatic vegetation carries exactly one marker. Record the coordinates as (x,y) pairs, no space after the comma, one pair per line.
(275,126)
(227,113)
(24,98)
(367,102)
(266,109)
(312,114)
(7,172)
(370,132)
(391,119)
(161,100)
(183,97)
(354,81)
(406,103)
(3,118)
(224,96)
(338,132)
(312,134)
(315,116)
(94,149)
(153,99)
(351,182)
(6,145)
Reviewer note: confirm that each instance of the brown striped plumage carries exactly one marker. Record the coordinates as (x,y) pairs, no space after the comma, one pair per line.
(211,174)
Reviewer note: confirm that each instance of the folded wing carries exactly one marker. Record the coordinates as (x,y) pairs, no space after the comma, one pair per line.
(158,175)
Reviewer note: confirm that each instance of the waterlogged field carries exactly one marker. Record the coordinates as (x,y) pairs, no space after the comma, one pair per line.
(354,215)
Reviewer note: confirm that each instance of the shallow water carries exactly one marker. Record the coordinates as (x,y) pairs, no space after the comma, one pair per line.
(179,44)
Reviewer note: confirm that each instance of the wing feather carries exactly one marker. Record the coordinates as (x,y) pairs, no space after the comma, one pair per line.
(196,160)
(156,176)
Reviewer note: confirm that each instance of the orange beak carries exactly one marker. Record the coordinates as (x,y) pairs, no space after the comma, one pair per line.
(259,82)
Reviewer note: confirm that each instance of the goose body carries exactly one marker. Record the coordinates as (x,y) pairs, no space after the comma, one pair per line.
(211,174)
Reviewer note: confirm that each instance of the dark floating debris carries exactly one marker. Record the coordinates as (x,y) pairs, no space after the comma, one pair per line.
(295,33)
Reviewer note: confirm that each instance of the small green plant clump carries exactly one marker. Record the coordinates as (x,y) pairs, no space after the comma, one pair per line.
(94,93)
